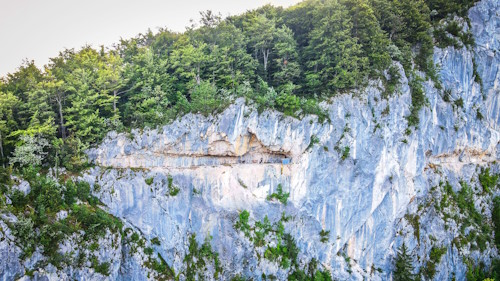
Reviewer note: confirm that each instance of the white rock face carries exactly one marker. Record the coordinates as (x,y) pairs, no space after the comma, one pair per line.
(225,164)
(232,162)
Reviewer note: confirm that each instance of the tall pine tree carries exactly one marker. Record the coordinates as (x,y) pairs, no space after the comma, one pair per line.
(403,270)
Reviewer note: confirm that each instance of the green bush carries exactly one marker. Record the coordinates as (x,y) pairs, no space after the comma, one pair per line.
(314,140)
(495,216)
(325,235)
(279,195)
(155,241)
(468,39)
(310,106)
(414,220)
(310,273)
(161,267)
(443,40)
(148,251)
(429,270)
(149,181)
(170,181)
(102,268)
(134,237)
(288,103)
(94,220)
(205,99)
(174,191)
(453,28)
(345,153)
(242,223)
(392,82)
(465,203)
(459,103)
(18,199)
(23,231)
(488,182)
(417,101)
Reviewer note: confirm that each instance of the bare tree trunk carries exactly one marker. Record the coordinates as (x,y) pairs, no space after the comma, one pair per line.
(115,92)
(1,149)
(63,129)
(198,80)
(57,164)
(266,57)
(233,78)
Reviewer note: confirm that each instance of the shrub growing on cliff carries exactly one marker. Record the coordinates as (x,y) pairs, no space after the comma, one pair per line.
(172,189)
(38,225)
(149,181)
(417,101)
(479,272)
(434,258)
(163,271)
(155,241)
(325,235)
(488,182)
(495,216)
(102,268)
(242,223)
(288,103)
(345,153)
(197,257)
(314,140)
(310,273)
(279,195)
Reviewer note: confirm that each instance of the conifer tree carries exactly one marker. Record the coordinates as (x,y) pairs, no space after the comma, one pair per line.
(403,270)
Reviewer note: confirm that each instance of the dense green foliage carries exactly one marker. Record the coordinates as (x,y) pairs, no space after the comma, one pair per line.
(172,189)
(488,181)
(481,273)
(495,216)
(38,225)
(242,223)
(279,195)
(417,101)
(283,59)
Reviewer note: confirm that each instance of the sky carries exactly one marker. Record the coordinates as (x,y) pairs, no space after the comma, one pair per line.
(39,29)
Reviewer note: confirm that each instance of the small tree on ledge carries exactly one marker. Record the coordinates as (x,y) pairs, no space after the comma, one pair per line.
(403,270)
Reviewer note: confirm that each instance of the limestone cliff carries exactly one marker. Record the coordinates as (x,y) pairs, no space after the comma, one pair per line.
(361,178)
